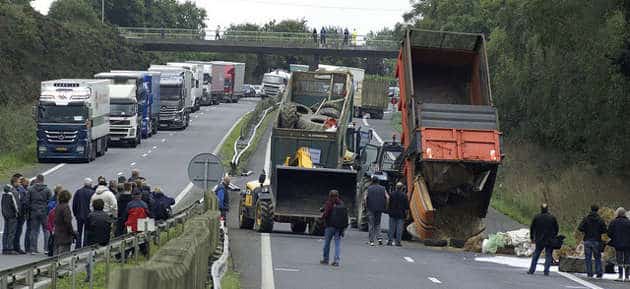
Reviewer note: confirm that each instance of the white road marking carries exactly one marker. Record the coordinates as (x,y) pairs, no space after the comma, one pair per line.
(575,287)
(171,134)
(287,269)
(434,280)
(163,140)
(579,281)
(119,174)
(133,164)
(50,170)
(154,147)
(365,121)
(266,262)
(268,158)
(144,155)
(409,259)
(149,151)
(185,191)
(377,137)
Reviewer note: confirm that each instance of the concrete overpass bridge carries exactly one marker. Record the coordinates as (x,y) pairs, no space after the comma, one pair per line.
(264,43)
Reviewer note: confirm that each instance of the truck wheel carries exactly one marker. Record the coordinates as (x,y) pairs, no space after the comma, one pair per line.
(264,216)
(244,222)
(362,220)
(298,227)
(100,148)
(154,128)
(316,228)
(92,151)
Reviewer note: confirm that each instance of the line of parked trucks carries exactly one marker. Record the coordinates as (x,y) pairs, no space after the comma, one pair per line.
(78,119)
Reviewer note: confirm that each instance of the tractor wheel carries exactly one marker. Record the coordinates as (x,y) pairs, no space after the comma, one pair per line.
(243,221)
(288,116)
(316,228)
(362,219)
(298,227)
(264,216)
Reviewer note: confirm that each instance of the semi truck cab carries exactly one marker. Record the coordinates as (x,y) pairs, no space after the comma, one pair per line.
(124,116)
(173,112)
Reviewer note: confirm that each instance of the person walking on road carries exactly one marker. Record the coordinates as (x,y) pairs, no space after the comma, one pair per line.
(376,203)
(543,230)
(123,199)
(38,196)
(593,226)
(21,198)
(98,229)
(335,218)
(398,206)
(619,233)
(64,232)
(81,208)
(10,212)
(223,197)
(111,204)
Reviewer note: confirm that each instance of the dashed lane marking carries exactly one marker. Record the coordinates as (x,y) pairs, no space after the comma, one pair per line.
(287,269)
(133,164)
(119,173)
(434,280)
(150,151)
(579,281)
(365,121)
(144,155)
(154,147)
(163,140)
(266,262)
(409,259)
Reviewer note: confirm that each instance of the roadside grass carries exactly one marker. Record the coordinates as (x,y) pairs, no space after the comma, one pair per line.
(17,135)
(226,152)
(231,279)
(396,121)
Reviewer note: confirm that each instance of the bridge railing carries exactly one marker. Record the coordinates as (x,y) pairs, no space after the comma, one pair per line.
(261,38)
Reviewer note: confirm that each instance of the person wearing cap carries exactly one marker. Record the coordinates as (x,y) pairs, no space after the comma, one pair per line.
(81,208)
(10,211)
(376,203)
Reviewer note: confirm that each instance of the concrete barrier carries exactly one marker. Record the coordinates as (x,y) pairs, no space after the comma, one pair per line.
(180,263)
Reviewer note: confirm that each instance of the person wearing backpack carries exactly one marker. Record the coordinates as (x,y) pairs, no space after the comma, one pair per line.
(335,216)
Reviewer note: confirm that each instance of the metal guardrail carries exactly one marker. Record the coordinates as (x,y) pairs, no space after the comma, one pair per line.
(44,273)
(261,38)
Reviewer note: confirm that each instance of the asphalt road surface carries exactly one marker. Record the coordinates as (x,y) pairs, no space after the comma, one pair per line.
(162,159)
(286,260)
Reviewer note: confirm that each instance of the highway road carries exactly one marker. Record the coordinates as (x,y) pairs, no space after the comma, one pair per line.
(162,159)
(285,260)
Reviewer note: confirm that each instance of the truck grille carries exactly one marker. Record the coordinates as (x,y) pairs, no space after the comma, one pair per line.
(270,90)
(168,112)
(61,136)
(119,122)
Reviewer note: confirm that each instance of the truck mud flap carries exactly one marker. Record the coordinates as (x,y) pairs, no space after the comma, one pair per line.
(301,192)
(422,210)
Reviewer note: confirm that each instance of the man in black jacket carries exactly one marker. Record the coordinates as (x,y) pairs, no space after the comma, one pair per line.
(398,206)
(619,233)
(10,211)
(593,226)
(376,203)
(38,196)
(98,229)
(543,230)
(81,209)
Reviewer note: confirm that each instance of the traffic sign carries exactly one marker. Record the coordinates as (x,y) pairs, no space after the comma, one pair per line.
(205,170)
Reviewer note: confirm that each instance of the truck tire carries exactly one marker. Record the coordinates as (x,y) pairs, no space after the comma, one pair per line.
(329,112)
(92,151)
(264,216)
(316,228)
(362,220)
(312,122)
(302,109)
(101,151)
(298,227)
(335,105)
(288,116)
(244,222)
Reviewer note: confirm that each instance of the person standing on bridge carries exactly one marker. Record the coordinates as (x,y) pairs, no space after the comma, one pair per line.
(81,208)
(398,206)
(223,197)
(111,204)
(38,196)
(315,35)
(593,226)
(619,233)
(217,34)
(346,35)
(123,199)
(376,202)
(322,36)
(354,37)
(543,230)
(335,218)
(23,189)
(10,211)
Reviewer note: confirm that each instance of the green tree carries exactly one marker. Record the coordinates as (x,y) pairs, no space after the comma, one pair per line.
(74,11)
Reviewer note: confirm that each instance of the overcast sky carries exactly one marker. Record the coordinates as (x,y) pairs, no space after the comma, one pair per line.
(363,15)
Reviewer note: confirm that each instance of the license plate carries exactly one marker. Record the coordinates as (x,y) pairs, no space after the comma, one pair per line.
(114,138)
(61,149)
(163,124)
(248,200)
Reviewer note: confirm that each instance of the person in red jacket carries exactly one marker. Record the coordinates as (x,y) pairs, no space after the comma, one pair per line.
(137,209)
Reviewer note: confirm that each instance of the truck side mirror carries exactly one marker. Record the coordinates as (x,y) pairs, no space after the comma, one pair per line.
(262,178)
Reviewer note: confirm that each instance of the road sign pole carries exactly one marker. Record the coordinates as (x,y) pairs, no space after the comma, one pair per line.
(206,164)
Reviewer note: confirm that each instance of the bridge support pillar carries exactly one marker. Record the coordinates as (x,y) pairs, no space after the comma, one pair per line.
(315,63)
(374,65)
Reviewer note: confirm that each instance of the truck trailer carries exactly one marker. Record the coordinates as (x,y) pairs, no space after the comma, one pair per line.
(358,75)
(307,156)
(450,133)
(232,81)
(175,100)
(73,119)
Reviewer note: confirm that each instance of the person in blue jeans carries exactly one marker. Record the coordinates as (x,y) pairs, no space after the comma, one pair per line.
(333,228)
(543,229)
(593,226)
(398,206)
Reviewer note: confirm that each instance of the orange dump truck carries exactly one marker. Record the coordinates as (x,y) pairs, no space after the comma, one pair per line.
(450,132)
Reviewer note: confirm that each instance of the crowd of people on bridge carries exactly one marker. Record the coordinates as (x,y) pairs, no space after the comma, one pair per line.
(544,234)
(323,36)
(100,211)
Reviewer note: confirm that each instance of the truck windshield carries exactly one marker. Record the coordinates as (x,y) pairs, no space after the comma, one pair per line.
(389,160)
(123,109)
(171,92)
(273,79)
(62,114)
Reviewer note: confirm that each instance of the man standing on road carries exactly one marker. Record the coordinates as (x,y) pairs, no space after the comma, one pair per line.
(64,232)
(24,211)
(335,218)
(10,213)
(593,226)
(38,196)
(398,206)
(111,204)
(123,199)
(135,174)
(376,202)
(619,233)
(543,229)
(81,208)
(223,197)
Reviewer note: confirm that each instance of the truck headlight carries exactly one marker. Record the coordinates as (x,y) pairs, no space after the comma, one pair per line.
(80,149)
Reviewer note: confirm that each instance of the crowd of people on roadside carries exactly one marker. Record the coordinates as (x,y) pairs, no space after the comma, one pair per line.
(99,211)
(544,233)
(323,36)
(377,201)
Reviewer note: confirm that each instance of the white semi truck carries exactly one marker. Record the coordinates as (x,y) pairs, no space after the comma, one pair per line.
(207,97)
(175,100)
(275,82)
(196,89)
(72,119)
